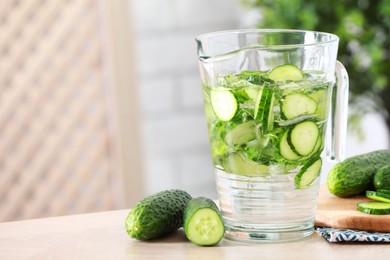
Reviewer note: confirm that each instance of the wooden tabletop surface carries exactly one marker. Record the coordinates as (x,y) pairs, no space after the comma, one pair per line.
(102,236)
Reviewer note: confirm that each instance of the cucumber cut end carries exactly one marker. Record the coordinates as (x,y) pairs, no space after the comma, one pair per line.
(374,207)
(205,228)
(378,196)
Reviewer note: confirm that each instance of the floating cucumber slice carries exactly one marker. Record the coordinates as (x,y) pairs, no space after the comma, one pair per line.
(285,73)
(308,173)
(303,137)
(241,134)
(298,104)
(224,104)
(238,163)
(285,149)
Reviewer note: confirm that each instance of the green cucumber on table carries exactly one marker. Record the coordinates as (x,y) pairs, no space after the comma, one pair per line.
(203,223)
(157,215)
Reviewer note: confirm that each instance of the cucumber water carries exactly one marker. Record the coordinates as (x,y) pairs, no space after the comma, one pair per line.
(266,132)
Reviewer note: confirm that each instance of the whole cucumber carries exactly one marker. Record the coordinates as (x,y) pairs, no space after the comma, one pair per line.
(382,178)
(355,175)
(157,215)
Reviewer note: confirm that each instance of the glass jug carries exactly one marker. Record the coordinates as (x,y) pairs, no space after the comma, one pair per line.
(274,99)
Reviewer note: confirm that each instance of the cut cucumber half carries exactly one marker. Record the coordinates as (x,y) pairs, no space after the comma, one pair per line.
(374,207)
(224,104)
(303,137)
(297,104)
(378,196)
(285,150)
(239,164)
(286,72)
(241,134)
(203,224)
(308,173)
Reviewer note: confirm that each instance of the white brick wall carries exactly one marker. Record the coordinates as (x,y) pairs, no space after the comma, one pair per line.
(174,134)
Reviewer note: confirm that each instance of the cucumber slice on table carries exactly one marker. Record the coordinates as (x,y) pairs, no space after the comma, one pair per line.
(374,207)
(298,104)
(308,173)
(224,104)
(303,137)
(285,73)
(203,224)
(378,196)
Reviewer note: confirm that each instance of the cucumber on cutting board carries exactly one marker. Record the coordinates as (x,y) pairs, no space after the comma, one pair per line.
(374,207)
(203,223)
(382,178)
(378,196)
(354,175)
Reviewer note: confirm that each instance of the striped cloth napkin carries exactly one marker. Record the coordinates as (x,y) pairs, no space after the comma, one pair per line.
(349,235)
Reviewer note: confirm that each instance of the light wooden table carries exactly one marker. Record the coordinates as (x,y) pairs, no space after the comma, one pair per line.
(102,236)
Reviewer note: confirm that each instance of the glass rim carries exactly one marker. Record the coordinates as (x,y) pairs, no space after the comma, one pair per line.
(327,38)
(332,37)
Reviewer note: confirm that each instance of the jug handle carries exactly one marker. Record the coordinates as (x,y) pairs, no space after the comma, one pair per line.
(337,123)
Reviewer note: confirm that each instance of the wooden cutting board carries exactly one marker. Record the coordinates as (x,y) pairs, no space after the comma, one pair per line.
(341,213)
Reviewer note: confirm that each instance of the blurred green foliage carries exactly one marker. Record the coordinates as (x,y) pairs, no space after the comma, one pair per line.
(364,30)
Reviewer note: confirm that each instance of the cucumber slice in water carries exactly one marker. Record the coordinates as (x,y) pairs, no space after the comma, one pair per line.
(303,137)
(266,109)
(374,207)
(378,196)
(298,104)
(285,149)
(257,102)
(241,134)
(203,224)
(224,104)
(239,164)
(308,173)
(286,72)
